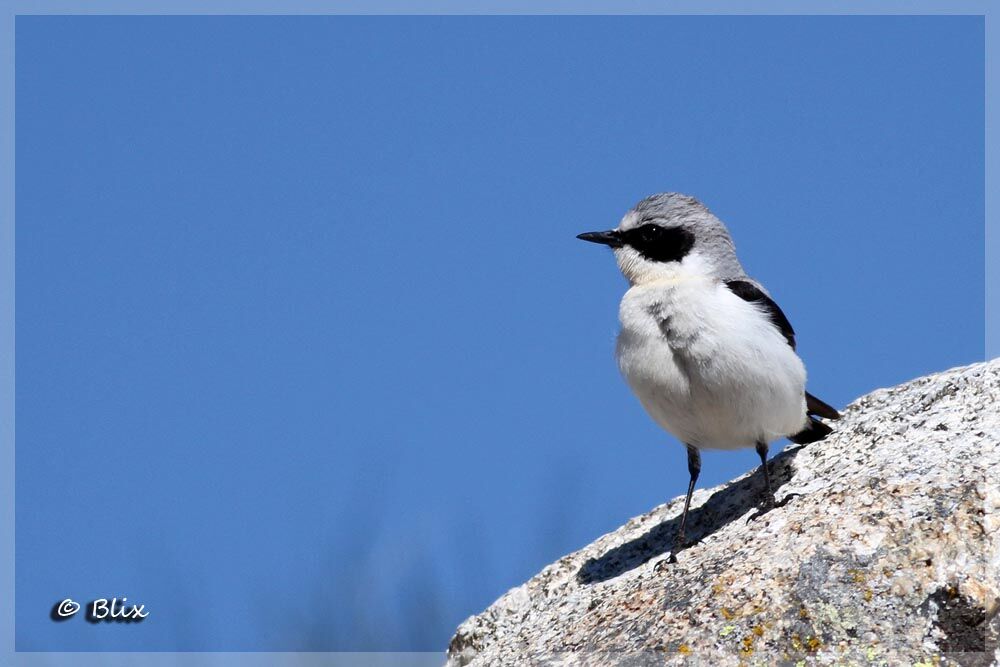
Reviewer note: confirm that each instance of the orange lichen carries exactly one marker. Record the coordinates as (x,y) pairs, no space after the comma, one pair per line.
(727,613)
(684,649)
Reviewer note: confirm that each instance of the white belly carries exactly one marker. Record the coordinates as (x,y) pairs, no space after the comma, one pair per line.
(708,367)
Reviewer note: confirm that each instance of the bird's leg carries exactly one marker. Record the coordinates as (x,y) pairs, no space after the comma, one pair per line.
(769,500)
(694,467)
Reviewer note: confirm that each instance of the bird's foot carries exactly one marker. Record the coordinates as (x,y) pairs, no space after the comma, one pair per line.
(770,503)
(662,565)
(787,499)
(679,543)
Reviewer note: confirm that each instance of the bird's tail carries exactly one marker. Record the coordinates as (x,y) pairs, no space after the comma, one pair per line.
(814,406)
(814,430)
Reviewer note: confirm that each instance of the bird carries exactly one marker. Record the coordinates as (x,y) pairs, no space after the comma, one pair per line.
(703,346)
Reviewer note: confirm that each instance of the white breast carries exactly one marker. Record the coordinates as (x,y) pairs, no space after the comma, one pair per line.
(707,366)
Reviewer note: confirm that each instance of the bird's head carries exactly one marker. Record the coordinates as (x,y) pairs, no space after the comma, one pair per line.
(666,233)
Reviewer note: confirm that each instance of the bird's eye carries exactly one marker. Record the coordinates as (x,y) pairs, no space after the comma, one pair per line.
(651,233)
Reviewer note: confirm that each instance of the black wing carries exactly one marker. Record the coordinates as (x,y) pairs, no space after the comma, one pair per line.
(750,292)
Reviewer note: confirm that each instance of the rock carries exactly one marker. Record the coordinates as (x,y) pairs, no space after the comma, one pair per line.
(888,552)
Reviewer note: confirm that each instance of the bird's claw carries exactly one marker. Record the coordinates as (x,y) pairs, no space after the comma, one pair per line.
(787,499)
(662,565)
(770,503)
(679,543)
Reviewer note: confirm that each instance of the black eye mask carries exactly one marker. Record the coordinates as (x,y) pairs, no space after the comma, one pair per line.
(659,244)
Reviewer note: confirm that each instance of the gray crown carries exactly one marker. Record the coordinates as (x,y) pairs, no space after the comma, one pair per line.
(712,239)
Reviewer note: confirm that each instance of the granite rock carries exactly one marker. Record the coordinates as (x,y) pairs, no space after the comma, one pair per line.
(886,553)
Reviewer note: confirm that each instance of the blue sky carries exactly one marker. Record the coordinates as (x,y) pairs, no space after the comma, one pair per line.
(308,357)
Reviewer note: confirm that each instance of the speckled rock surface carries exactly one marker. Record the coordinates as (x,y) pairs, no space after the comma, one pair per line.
(888,554)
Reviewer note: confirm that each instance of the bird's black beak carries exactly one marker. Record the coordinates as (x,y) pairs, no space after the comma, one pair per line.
(610,238)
